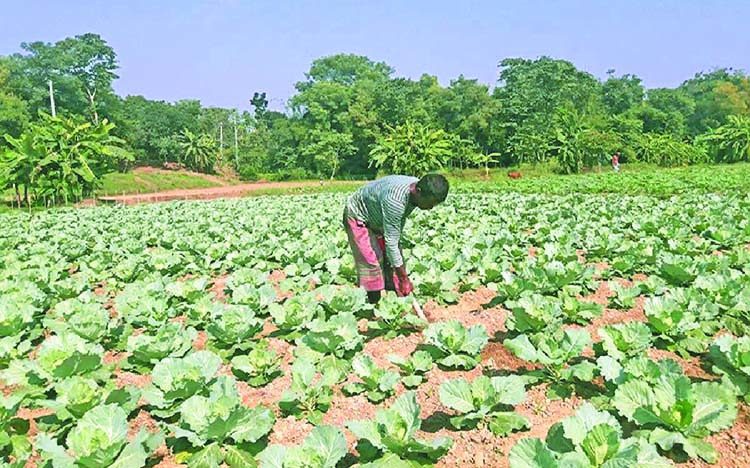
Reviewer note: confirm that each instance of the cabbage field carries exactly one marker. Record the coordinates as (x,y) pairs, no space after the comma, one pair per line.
(564,331)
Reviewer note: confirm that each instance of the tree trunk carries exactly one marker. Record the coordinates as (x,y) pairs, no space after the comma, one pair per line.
(52,98)
(91,96)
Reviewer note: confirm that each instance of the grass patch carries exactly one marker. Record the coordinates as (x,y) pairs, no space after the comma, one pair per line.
(633,179)
(117,183)
(328,187)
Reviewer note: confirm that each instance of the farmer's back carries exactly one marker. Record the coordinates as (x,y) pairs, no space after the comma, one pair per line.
(389,194)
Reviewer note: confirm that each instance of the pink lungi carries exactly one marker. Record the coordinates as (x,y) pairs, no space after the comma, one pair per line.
(373,271)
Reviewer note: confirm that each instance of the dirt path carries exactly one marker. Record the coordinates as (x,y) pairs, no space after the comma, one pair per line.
(229,191)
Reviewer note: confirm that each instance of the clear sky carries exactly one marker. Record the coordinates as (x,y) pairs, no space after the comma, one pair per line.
(220,51)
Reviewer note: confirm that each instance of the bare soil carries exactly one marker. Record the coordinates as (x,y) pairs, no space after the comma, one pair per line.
(733,444)
(218,286)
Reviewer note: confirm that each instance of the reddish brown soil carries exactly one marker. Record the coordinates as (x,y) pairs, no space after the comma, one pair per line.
(31,415)
(181,319)
(199,343)
(581,254)
(218,286)
(344,409)
(601,295)
(469,311)
(640,277)
(289,431)
(110,306)
(600,266)
(276,277)
(270,394)
(143,420)
(479,447)
(733,444)
(230,191)
(113,357)
(379,348)
(613,316)
(33,461)
(496,356)
(7,390)
(101,289)
(169,462)
(125,379)
(691,367)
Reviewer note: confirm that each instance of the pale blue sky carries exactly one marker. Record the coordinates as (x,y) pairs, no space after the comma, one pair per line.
(220,51)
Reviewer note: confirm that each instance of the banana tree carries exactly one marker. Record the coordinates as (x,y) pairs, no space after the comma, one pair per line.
(199,150)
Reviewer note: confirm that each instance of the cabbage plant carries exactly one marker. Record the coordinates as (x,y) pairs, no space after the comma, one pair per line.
(220,425)
(99,439)
(486,401)
(390,440)
(454,346)
(677,414)
(413,368)
(324,447)
(376,383)
(588,439)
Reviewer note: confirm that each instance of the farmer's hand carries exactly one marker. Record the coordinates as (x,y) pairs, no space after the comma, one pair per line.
(404,283)
(405,286)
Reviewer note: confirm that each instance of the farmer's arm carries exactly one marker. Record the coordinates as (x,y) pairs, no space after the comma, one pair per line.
(392,224)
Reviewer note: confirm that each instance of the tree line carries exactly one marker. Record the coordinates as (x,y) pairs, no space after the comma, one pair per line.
(351,117)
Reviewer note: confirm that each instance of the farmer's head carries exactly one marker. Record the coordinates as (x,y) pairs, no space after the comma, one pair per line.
(430,191)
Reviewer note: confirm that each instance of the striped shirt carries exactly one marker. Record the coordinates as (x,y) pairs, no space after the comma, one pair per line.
(383,205)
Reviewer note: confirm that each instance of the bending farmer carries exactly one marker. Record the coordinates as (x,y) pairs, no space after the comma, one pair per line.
(374,217)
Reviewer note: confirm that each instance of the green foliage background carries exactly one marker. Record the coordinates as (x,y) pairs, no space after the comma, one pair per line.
(352,117)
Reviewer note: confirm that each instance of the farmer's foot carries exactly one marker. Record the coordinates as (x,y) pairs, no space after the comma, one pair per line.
(373,297)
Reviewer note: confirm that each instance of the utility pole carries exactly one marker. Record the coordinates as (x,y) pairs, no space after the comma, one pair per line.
(236,149)
(51,98)
(221,139)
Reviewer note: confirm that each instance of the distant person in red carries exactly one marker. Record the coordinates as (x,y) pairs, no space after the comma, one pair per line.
(616,161)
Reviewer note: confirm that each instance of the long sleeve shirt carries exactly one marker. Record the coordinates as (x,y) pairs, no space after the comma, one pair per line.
(383,205)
